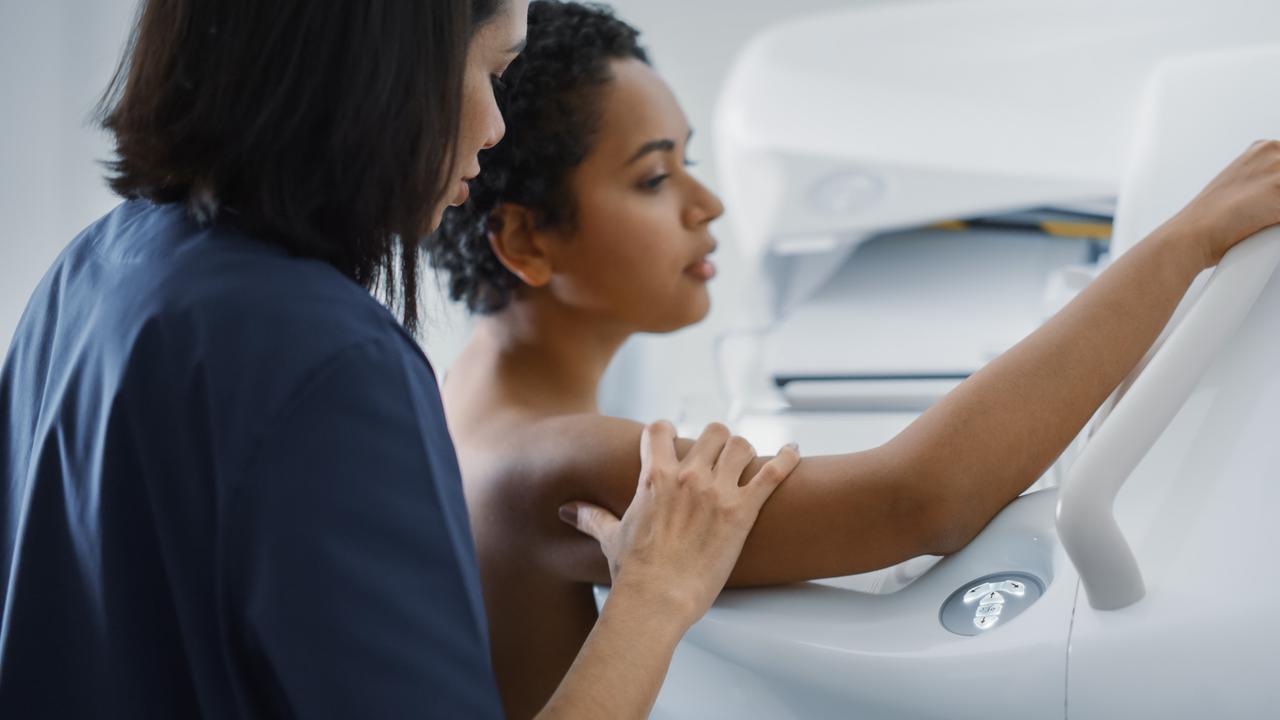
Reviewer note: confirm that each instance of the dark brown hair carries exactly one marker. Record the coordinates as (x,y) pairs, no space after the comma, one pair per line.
(325,127)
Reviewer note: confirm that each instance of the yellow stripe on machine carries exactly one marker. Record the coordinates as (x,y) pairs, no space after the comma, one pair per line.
(1066,228)
(1056,228)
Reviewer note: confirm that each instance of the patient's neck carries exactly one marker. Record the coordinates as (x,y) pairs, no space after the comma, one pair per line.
(548,355)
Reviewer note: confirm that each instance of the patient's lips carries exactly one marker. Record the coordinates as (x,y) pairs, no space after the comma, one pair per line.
(703,269)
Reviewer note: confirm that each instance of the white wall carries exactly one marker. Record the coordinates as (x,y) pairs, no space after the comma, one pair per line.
(56,57)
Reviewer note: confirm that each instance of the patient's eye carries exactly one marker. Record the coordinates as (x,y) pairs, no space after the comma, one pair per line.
(654,182)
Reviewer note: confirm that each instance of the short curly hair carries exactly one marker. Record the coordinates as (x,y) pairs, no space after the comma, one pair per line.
(551,105)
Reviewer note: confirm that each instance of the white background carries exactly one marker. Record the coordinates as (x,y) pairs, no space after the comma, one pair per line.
(56,57)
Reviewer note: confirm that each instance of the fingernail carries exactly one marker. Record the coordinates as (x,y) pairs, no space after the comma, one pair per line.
(794,446)
(569,514)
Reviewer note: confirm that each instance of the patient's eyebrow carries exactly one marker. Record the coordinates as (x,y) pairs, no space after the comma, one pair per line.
(663,145)
(653,146)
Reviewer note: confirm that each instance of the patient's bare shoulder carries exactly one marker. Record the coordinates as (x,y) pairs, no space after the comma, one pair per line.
(556,459)
(520,468)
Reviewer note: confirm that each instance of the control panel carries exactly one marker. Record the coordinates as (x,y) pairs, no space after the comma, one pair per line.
(989,601)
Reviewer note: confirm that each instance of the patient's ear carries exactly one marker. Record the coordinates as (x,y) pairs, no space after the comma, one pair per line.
(519,245)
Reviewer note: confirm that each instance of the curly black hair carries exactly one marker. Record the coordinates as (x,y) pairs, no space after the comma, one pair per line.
(551,105)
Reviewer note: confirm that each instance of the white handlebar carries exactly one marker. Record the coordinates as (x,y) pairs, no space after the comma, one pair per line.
(1086,518)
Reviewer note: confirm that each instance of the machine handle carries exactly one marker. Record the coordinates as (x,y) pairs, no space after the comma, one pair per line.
(1086,501)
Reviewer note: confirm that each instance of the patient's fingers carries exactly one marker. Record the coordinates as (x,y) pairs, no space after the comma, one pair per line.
(769,477)
(706,449)
(657,447)
(592,520)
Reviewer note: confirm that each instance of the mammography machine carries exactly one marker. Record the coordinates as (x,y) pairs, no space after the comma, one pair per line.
(920,185)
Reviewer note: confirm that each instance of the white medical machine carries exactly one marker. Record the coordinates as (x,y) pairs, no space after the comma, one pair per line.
(919,185)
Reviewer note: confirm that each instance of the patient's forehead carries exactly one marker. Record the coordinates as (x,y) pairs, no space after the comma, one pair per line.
(636,107)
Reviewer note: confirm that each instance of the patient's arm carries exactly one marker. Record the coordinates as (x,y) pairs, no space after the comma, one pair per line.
(940,481)
(927,491)
(834,515)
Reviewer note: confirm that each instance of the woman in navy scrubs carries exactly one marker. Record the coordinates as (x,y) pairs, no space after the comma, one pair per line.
(229,489)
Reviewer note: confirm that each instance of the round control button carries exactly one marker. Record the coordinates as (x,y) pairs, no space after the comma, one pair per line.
(975,607)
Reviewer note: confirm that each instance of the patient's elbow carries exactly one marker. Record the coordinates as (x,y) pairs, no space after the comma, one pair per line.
(950,538)
(947,525)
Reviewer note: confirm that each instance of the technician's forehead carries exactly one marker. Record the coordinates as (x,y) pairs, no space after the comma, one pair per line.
(506,31)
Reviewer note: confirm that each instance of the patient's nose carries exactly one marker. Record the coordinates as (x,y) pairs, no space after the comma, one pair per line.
(704,208)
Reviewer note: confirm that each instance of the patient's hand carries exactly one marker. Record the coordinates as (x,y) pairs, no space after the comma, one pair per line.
(684,530)
(1243,199)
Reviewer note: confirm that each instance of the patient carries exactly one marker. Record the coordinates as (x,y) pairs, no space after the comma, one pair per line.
(585,227)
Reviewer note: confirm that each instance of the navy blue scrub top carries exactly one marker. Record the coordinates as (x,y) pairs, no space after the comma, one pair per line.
(228,491)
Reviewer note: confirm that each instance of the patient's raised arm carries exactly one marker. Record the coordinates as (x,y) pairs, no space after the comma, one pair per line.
(932,488)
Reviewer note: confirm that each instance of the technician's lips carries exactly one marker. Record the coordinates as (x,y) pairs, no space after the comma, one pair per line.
(464,192)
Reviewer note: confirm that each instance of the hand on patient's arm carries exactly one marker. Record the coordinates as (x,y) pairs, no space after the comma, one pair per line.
(835,515)
(669,557)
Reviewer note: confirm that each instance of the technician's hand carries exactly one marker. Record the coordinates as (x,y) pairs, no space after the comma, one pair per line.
(1243,199)
(684,530)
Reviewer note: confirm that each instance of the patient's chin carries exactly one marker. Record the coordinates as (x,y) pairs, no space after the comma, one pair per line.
(683,316)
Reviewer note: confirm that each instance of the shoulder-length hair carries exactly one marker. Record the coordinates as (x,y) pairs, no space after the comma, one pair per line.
(326,127)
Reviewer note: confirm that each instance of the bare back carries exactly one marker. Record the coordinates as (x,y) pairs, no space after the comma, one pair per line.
(538,620)
(538,617)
